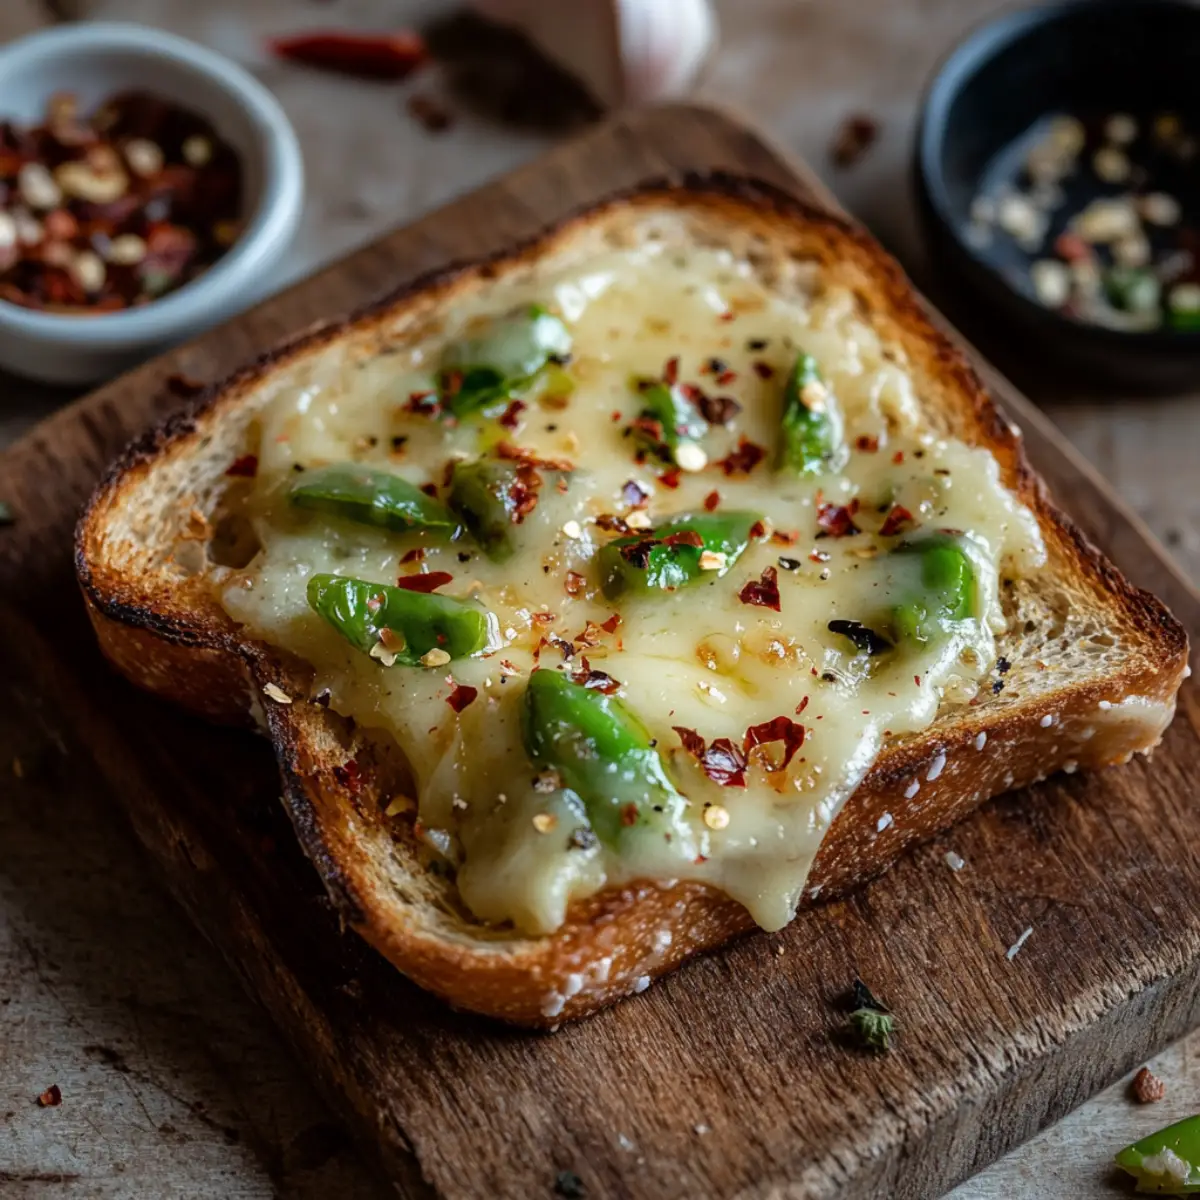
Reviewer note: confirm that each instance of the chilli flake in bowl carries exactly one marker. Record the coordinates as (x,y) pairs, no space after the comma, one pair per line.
(112,209)
(1090,218)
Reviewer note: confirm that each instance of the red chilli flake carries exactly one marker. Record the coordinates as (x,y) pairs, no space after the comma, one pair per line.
(711,501)
(717,410)
(670,479)
(629,814)
(764,370)
(722,762)
(837,520)
(430,489)
(426,404)
(780,729)
(758,530)
(51,1097)
(610,626)
(898,457)
(414,555)
(593,680)
(519,454)
(429,582)
(726,377)
(744,459)
(511,416)
(693,743)
(897,519)
(728,315)
(638,553)
(349,776)
(671,370)
(543,618)
(762,592)
(611,524)
(361,55)
(801,706)
(685,537)
(633,494)
(785,537)
(574,583)
(866,443)
(461,696)
(245,467)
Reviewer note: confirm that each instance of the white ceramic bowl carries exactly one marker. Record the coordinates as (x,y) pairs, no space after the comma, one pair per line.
(94,60)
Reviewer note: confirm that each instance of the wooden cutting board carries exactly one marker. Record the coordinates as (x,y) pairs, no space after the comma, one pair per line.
(729,1078)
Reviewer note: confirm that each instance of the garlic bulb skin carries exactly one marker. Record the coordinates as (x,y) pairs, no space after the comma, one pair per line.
(622,51)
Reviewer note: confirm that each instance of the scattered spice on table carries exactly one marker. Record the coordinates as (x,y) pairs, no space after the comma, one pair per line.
(855,136)
(1147,1087)
(385,56)
(114,208)
(1096,205)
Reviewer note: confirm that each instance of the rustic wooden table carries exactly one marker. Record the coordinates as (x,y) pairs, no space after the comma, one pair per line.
(173,1083)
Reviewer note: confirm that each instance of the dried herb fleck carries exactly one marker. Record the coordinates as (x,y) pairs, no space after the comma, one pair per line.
(870,1022)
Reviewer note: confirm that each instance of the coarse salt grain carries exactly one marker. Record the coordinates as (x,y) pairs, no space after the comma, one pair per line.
(690,457)
(980,739)
(913,788)
(712,560)
(435,658)
(276,693)
(954,861)
(935,767)
(883,822)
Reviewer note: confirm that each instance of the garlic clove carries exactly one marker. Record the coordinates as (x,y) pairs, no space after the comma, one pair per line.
(622,51)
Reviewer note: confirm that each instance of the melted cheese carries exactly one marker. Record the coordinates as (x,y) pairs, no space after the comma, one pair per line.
(698,658)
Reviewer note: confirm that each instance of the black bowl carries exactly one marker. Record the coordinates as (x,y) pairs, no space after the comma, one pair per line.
(1140,57)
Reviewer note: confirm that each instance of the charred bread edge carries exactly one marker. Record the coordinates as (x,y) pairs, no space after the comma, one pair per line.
(527,983)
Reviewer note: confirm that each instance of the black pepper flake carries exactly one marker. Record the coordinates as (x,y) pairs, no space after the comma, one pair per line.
(399,440)
(568,1185)
(464,556)
(323,697)
(582,839)
(559,360)
(298,467)
(756,344)
(1003,666)
(997,687)
(790,564)
(6,514)
(863,638)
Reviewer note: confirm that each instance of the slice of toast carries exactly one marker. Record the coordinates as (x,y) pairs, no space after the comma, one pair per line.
(1087,676)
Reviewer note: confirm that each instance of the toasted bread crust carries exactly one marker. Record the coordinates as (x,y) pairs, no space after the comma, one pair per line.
(171,637)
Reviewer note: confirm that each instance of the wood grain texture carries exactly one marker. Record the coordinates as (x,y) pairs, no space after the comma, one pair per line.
(729,1078)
